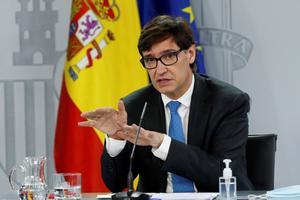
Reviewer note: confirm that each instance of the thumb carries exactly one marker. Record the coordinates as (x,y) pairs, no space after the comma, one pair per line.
(122,111)
(121,106)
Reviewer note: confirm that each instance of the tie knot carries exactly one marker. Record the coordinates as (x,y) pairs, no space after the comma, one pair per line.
(173,105)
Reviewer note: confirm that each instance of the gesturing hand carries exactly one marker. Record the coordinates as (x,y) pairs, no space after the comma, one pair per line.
(107,119)
(146,137)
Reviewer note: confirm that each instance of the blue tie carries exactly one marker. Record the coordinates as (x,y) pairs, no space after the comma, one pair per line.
(180,184)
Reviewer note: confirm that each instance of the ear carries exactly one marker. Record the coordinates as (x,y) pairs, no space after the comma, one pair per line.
(192,53)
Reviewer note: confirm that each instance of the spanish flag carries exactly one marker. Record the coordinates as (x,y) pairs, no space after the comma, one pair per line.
(102,65)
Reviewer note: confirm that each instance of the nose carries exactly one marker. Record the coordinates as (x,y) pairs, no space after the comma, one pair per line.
(161,68)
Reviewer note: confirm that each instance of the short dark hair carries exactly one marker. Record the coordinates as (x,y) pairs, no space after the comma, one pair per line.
(164,27)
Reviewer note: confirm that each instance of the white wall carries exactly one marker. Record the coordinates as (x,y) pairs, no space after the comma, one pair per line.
(29,92)
(271,75)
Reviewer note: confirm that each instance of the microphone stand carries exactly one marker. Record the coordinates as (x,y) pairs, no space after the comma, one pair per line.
(131,195)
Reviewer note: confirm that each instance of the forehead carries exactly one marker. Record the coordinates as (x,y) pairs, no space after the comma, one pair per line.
(161,47)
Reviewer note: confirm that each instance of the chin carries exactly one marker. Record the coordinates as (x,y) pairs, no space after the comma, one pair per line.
(168,93)
(163,90)
(166,90)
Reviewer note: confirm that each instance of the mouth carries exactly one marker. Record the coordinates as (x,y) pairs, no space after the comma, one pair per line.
(163,81)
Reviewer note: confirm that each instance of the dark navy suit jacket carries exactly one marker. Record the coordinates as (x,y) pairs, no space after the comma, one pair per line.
(217,129)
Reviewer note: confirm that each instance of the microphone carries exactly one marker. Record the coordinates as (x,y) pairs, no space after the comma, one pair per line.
(130,195)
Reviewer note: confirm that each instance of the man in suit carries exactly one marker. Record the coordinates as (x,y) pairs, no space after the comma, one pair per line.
(178,150)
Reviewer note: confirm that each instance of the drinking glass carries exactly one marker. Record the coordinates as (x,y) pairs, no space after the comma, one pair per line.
(67,186)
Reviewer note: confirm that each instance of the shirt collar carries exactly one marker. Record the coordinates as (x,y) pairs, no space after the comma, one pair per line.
(185,99)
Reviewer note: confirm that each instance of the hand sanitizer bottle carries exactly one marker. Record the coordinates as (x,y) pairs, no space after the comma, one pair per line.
(227,183)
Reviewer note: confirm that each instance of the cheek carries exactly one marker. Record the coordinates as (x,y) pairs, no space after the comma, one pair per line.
(151,75)
(183,71)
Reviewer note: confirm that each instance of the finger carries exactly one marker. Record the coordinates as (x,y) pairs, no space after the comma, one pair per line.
(129,130)
(87,124)
(121,134)
(98,113)
(136,128)
(121,106)
(129,139)
(122,110)
(129,133)
(105,110)
(89,114)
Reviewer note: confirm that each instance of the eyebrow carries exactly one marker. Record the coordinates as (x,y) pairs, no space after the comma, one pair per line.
(161,53)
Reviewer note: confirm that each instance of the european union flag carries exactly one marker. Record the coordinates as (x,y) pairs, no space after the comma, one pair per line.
(149,9)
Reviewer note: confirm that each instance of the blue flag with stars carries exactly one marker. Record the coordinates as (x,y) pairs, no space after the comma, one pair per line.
(149,9)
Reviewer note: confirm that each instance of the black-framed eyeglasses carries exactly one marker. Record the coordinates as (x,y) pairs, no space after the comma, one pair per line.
(166,59)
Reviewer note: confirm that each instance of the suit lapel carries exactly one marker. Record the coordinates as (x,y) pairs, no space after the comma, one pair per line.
(199,112)
(155,110)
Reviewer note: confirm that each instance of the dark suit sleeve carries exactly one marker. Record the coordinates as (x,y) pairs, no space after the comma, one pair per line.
(115,169)
(227,132)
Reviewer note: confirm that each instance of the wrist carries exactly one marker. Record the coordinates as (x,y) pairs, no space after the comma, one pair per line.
(158,140)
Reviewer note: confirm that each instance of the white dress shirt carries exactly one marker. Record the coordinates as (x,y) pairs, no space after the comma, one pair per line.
(114,147)
(183,111)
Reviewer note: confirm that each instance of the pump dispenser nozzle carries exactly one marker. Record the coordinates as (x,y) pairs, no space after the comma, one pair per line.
(227,172)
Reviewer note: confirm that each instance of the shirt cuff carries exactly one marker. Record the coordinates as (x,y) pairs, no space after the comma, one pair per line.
(113,146)
(163,150)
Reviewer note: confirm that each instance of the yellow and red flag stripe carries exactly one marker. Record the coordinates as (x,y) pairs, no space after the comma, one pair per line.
(101,67)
